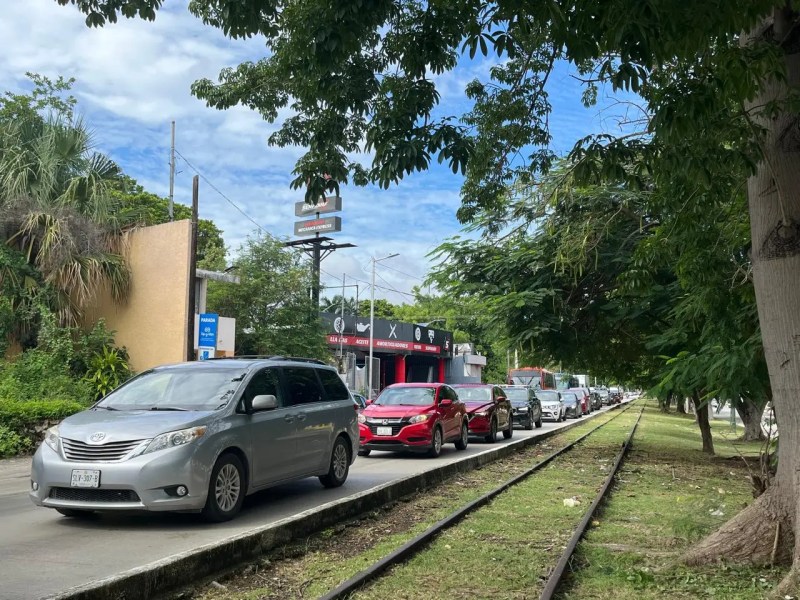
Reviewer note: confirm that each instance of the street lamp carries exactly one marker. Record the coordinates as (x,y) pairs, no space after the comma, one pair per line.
(372,320)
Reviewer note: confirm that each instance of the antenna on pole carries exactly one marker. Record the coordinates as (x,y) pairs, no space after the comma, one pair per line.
(172,171)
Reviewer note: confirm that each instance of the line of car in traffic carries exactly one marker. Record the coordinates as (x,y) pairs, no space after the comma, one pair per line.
(200,436)
(422,417)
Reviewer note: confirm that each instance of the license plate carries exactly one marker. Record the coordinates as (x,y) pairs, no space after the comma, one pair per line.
(384,431)
(85,478)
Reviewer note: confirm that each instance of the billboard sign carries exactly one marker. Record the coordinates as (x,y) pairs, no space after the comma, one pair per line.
(328,204)
(323,225)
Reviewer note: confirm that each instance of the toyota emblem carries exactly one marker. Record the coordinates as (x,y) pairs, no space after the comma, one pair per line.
(97,437)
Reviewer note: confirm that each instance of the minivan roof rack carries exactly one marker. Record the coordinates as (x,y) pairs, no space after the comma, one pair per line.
(271,357)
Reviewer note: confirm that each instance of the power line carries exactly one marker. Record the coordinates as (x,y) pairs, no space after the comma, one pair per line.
(403,273)
(367,284)
(216,189)
(393,289)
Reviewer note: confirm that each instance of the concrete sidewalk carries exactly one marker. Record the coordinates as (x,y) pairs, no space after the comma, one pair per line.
(15,475)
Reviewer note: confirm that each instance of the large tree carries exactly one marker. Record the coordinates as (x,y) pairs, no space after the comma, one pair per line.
(354,70)
(56,206)
(271,304)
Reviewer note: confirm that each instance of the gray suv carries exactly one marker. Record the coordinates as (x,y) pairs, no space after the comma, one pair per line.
(199,437)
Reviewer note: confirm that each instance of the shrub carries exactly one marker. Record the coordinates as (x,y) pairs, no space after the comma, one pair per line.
(11,443)
(107,371)
(27,420)
(38,374)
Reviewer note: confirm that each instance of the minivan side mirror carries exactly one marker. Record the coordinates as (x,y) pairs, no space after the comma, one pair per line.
(263,402)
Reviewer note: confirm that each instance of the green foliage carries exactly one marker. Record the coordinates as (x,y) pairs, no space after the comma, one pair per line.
(272,304)
(21,421)
(107,371)
(64,364)
(38,374)
(145,209)
(55,204)
(12,443)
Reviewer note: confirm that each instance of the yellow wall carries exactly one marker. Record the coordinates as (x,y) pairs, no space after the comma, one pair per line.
(152,323)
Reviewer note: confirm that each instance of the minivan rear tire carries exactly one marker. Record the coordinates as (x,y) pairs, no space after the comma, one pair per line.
(339,465)
(226,484)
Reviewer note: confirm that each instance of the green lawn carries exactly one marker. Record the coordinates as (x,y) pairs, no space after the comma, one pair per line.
(669,495)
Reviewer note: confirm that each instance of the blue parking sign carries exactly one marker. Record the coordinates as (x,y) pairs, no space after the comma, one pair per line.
(208,330)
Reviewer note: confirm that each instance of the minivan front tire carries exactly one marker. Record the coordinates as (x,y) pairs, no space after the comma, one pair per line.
(226,489)
(339,465)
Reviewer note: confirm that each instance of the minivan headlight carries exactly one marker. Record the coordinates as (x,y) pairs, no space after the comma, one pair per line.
(172,439)
(52,439)
(419,418)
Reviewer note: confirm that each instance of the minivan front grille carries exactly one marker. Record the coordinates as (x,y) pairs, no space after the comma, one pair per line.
(110,452)
(93,495)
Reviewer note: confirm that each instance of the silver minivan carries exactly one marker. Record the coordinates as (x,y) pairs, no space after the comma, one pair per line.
(199,437)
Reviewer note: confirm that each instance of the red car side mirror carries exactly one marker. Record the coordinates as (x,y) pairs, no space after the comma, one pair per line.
(445,402)
(369,401)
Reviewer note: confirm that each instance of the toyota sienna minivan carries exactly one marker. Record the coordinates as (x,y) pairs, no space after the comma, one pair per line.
(199,437)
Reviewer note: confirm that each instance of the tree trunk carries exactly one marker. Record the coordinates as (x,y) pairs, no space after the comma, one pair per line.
(750,413)
(774,199)
(701,410)
(680,405)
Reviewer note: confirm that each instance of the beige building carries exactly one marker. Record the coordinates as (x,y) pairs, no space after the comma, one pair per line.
(151,324)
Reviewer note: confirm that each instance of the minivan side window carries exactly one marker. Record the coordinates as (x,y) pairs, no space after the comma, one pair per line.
(302,385)
(265,382)
(334,387)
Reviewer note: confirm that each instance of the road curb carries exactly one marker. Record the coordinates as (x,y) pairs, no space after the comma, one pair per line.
(182,569)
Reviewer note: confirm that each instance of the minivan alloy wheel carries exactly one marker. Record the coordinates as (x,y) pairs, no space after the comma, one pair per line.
(340,460)
(227,487)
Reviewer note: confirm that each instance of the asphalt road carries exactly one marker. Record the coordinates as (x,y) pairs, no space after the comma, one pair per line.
(43,553)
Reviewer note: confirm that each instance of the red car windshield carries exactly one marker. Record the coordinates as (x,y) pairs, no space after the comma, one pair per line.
(474,394)
(416,396)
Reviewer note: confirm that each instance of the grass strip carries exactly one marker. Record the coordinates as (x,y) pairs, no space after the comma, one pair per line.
(506,549)
(668,495)
(309,567)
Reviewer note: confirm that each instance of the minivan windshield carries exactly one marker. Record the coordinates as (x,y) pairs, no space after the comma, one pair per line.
(474,394)
(406,396)
(176,389)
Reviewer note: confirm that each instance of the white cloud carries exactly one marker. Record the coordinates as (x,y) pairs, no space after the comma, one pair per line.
(134,77)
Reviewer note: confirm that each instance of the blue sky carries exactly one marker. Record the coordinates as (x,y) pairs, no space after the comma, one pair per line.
(133,79)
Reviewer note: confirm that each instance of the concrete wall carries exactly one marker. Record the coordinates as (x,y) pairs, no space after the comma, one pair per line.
(152,323)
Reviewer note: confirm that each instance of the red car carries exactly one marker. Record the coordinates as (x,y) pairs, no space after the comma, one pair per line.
(585,399)
(488,408)
(420,417)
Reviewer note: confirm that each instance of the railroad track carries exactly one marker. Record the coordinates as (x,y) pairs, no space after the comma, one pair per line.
(421,541)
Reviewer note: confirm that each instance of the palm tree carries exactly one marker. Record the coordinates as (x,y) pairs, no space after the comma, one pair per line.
(334,305)
(56,208)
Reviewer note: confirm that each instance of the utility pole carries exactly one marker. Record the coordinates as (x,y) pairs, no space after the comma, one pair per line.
(192,269)
(341,333)
(372,319)
(172,172)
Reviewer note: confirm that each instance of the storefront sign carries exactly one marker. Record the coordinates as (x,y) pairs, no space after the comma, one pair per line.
(389,336)
(324,225)
(329,204)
